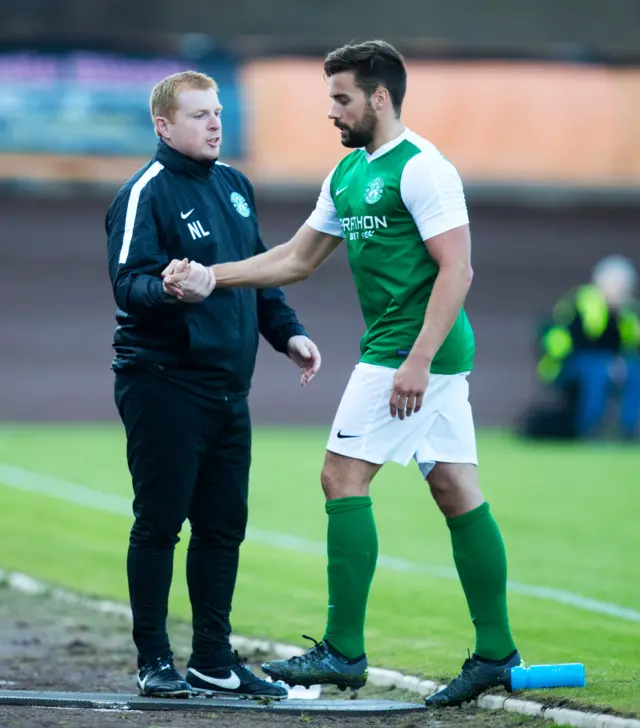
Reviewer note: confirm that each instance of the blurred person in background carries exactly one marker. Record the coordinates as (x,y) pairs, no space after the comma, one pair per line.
(591,354)
(183,370)
(400,206)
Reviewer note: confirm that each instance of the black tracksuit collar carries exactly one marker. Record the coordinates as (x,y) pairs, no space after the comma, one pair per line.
(179,163)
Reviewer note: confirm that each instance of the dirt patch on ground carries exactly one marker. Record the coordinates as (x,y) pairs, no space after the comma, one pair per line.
(48,644)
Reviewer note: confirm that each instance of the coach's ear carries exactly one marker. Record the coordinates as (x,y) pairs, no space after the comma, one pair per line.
(162,127)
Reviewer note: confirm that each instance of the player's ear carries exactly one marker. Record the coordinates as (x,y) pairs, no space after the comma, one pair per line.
(380,96)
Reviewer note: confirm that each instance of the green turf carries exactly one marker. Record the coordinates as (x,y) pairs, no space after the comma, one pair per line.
(568,515)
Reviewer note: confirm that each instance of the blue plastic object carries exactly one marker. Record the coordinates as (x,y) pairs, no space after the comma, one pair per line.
(570,675)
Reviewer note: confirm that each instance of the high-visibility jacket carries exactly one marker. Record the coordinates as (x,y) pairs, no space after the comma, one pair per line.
(583,321)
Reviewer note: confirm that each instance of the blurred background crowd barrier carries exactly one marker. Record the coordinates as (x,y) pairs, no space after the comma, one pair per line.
(536,103)
(503,122)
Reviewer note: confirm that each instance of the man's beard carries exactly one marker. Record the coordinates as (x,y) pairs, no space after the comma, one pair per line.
(361,135)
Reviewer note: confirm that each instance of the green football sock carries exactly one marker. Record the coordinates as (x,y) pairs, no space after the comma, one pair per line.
(479,554)
(352,550)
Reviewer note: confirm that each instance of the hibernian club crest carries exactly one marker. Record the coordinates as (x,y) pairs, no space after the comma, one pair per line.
(241,205)
(374,190)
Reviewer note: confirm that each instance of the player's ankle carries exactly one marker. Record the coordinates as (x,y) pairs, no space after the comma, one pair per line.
(336,653)
(496,663)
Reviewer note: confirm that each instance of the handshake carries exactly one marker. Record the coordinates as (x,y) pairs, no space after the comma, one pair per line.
(189,282)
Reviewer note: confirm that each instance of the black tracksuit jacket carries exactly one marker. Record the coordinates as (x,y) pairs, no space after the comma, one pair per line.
(176,207)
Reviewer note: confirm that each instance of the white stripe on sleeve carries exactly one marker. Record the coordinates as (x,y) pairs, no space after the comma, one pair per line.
(432,191)
(132,208)
(324,217)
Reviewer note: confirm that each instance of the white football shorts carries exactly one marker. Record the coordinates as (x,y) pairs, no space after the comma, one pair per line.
(442,431)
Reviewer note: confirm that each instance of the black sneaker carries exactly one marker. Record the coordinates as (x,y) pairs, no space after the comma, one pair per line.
(475,677)
(236,680)
(160,679)
(321,665)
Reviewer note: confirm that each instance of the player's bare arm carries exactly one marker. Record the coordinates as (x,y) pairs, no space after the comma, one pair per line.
(282,265)
(452,251)
(285,264)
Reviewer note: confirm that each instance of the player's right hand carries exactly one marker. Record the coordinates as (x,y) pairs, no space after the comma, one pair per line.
(196,282)
(178,270)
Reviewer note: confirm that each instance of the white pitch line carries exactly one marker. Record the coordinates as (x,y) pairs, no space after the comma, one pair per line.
(27,480)
(377,676)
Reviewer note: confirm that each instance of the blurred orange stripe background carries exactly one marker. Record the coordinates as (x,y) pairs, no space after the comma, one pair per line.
(496,121)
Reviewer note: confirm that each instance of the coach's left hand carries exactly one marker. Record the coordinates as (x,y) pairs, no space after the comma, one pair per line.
(179,269)
(305,354)
(409,385)
(191,284)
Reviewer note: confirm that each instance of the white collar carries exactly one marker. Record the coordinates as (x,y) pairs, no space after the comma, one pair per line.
(386,147)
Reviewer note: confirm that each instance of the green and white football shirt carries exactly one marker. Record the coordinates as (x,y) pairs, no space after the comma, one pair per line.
(385,205)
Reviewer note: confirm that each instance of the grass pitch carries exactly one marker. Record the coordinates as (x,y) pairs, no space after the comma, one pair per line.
(568,516)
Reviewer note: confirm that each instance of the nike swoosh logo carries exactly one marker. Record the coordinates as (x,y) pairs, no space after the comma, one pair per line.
(185,215)
(341,190)
(229,683)
(341,436)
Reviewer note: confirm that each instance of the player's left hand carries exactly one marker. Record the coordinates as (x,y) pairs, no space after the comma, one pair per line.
(305,354)
(409,385)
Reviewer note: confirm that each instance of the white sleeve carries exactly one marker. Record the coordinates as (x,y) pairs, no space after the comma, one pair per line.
(431,190)
(325,216)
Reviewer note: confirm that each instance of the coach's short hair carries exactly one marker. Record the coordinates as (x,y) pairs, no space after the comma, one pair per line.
(374,63)
(162,101)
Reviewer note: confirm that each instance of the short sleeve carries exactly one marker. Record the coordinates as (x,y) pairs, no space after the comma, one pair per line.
(432,191)
(325,218)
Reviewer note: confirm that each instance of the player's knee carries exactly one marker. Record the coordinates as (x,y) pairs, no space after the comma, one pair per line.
(455,488)
(343,477)
(444,494)
(330,483)
(440,489)
(338,485)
